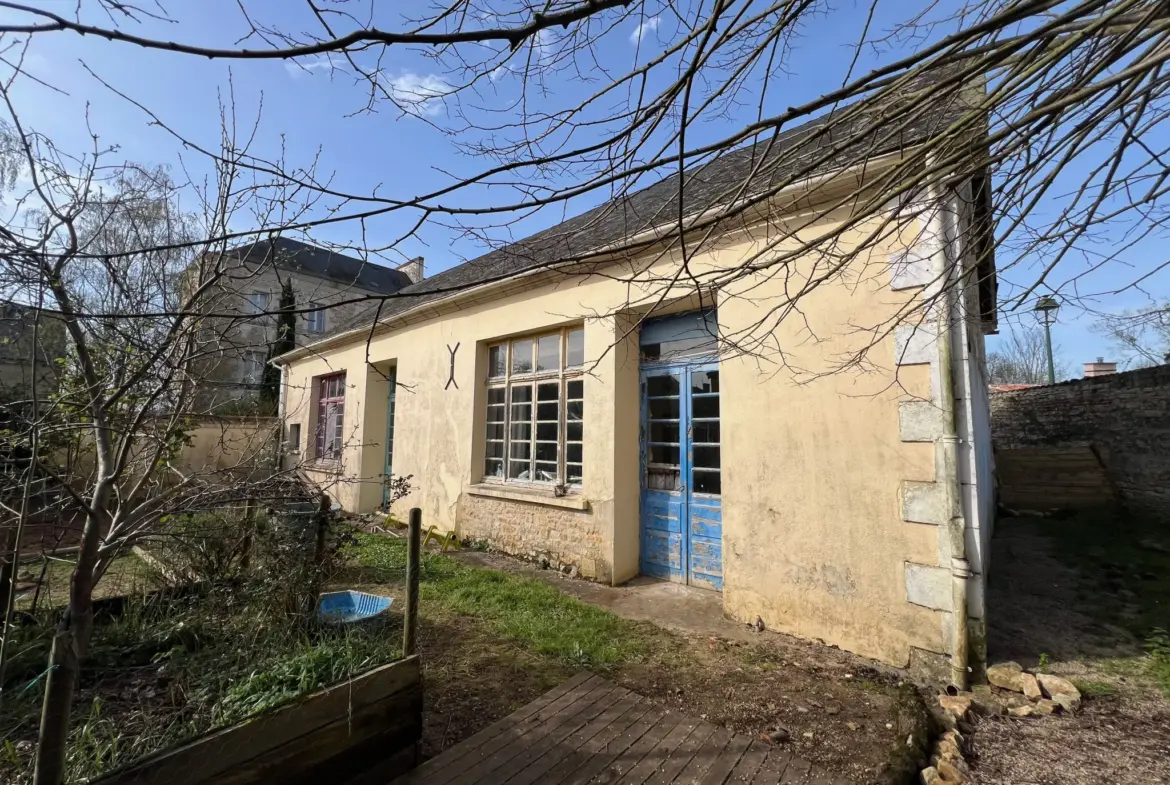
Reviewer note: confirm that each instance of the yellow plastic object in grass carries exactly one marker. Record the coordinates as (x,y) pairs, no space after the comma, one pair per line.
(444,540)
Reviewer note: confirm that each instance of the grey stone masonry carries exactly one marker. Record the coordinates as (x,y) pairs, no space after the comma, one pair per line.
(1124,417)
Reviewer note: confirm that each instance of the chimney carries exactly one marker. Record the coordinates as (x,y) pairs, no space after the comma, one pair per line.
(1099,368)
(414,269)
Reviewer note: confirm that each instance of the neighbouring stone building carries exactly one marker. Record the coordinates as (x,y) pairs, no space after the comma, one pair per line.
(330,289)
(17,350)
(547,406)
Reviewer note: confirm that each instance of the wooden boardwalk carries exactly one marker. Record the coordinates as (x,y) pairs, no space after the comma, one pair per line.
(590,731)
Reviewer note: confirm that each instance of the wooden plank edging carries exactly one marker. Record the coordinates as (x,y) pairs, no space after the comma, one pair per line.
(205,758)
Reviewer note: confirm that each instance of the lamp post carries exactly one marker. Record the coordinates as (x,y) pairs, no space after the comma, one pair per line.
(1047,306)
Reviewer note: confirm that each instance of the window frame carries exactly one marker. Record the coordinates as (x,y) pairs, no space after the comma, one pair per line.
(510,380)
(326,450)
(315,319)
(253,362)
(258,302)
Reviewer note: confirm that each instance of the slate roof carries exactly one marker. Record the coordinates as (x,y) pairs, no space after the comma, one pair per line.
(312,260)
(707,185)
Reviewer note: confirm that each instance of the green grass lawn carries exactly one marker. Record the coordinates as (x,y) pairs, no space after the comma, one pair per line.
(126,575)
(525,610)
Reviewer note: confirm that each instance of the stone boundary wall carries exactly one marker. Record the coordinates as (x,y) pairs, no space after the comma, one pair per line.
(1122,420)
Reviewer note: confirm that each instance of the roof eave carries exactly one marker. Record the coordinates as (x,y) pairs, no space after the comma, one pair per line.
(807,185)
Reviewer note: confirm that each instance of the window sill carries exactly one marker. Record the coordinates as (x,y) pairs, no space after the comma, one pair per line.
(529,495)
(323,467)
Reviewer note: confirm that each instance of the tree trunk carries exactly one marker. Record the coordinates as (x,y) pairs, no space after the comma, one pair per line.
(8,569)
(57,707)
(70,644)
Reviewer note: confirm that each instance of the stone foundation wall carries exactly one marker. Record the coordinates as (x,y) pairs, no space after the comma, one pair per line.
(1122,419)
(536,532)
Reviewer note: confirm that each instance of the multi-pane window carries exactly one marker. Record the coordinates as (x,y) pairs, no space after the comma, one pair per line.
(330,416)
(258,302)
(535,409)
(253,367)
(315,321)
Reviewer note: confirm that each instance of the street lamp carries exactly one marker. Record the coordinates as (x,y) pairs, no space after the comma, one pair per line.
(1047,306)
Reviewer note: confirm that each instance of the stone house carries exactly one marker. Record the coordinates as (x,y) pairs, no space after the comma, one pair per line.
(545,410)
(330,289)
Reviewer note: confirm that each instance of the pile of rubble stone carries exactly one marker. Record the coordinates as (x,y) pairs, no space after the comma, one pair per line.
(1011,692)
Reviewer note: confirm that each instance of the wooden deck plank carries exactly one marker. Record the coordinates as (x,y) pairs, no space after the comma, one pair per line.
(588,730)
(464,755)
(617,704)
(456,751)
(517,758)
(627,760)
(661,752)
(796,772)
(772,769)
(721,769)
(682,755)
(704,758)
(598,762)
(749,764)
(633,708)
(510,758)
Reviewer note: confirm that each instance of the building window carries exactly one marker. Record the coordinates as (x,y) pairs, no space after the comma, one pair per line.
(535,409)
(315,321)
(253,367)
(330,416)
(258,302)
(293,444)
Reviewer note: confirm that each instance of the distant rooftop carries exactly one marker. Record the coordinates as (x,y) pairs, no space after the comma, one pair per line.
(312,260)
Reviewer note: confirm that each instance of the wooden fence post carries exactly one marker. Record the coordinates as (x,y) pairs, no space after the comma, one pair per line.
(413,554)
(249,525)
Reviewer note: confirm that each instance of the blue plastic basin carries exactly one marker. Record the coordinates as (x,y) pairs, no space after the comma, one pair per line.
(350,606)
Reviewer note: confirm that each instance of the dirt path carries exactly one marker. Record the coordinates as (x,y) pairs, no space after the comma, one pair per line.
(1040,606)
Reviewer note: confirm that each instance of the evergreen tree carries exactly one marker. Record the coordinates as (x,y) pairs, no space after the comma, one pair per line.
(286,328)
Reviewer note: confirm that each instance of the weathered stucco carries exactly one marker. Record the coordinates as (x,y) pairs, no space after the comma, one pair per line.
(815,540)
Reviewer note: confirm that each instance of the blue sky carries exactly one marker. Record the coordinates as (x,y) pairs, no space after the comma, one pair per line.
(314,112)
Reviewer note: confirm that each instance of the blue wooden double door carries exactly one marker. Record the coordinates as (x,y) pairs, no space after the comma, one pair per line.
(682,530)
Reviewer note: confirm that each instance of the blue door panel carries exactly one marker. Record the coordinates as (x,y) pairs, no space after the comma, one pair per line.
(662,554)
(707,563)
(661,510)
(662,535)
(682,532)
(706,521)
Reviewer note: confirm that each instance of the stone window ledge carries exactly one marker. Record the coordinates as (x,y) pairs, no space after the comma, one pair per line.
(322,467)
(529,495)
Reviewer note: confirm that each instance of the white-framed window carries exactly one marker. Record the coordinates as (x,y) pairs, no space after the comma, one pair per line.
(258,302)
(315,320)
(330,416)
(535,409)
(253,367)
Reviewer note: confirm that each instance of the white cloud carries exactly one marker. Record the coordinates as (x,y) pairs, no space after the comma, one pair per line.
(644,29)
(542,45)
(420,94)
(498,73)
(297,68)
